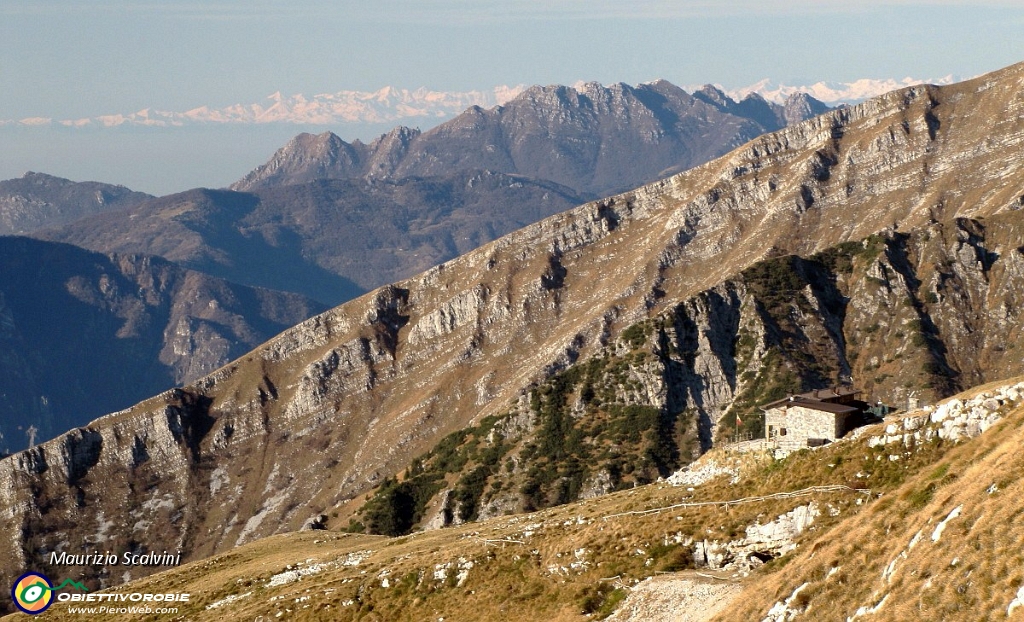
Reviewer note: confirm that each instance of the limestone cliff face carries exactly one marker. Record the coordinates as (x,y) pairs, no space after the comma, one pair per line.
(325,410)
(656,397)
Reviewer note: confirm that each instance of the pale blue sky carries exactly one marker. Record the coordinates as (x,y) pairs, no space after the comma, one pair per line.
(67,59)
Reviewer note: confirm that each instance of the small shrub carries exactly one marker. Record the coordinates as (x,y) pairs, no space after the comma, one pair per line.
(635,335)
(920,497)
(600,600)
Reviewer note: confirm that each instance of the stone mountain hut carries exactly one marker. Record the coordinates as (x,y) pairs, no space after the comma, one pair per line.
(812,419)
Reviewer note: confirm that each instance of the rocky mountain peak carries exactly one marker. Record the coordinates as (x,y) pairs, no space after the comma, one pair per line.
(591,89)
(758,108)
(44,179)
(387,151)
(800,106)
(305,158)
(326,144)
(404,134)
(594,139)
(714,95)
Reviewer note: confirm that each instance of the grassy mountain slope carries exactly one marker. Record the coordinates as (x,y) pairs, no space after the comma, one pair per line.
(945,545)
(580,561)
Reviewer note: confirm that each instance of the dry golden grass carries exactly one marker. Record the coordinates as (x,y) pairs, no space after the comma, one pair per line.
(971,572)
(509,580)
(522,565)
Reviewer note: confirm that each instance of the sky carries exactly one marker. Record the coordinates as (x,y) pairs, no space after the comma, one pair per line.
(64,59)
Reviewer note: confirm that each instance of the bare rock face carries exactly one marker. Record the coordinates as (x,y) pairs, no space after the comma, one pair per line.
(799,107)
(322,412)
(307,158)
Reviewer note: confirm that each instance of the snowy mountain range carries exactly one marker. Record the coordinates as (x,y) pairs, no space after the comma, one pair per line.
(386,105)
(391,104)
(832,93)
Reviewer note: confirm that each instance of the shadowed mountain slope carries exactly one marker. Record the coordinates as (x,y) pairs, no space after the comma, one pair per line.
(84,334)
(36,201)
(330,240)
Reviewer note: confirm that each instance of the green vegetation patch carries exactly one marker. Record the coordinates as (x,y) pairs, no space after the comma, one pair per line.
(581,428)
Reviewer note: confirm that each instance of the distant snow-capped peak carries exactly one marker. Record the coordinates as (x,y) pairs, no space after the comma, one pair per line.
(831,93)
(386,105)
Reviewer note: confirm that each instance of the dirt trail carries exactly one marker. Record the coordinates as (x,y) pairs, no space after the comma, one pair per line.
(683,597)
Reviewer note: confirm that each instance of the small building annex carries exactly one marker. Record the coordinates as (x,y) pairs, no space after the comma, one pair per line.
(812,419)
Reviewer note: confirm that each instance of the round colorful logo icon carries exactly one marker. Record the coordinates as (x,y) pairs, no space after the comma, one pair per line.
(32,593)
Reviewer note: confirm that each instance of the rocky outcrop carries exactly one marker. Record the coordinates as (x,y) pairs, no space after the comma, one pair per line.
(761,543)
(324,411)
(953,420)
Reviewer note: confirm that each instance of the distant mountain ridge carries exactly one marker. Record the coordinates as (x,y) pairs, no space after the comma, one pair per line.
(385,105)
(392,104)
(330,240)
(36,200)
(331,219)
(595,139)
(834,93)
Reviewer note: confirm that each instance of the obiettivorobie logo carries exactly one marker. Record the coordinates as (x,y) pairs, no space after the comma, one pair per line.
(33,592)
